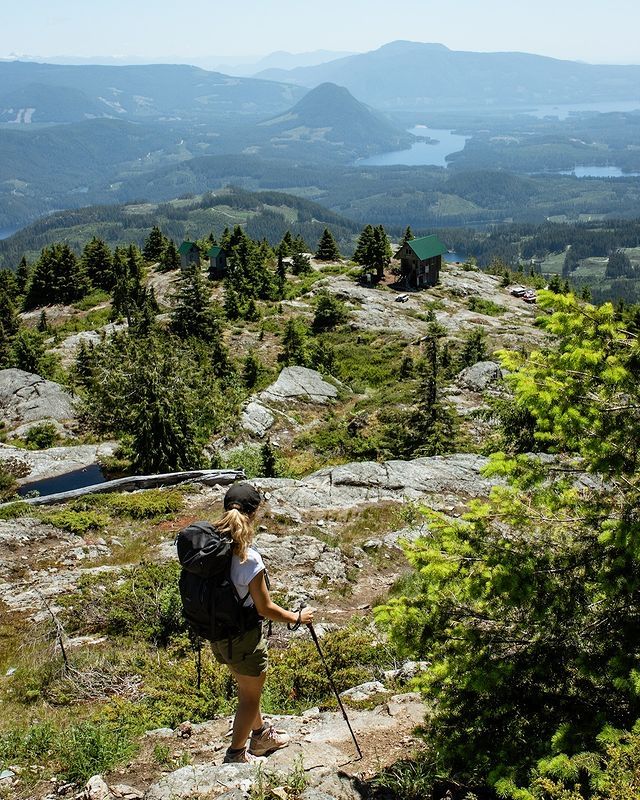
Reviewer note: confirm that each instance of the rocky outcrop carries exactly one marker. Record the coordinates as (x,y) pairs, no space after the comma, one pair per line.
(479,376)
(25,397)
(294,384)
(299,383)
(445,477)
(55,461)
(320,739)
(256,419)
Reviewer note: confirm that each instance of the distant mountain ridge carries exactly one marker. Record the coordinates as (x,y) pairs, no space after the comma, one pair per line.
(146,92)
(405,75)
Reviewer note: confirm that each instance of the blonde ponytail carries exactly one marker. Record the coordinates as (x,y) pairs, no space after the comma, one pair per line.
(238,527)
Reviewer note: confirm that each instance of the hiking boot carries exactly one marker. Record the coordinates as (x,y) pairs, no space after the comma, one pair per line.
(240,757)
(268,740)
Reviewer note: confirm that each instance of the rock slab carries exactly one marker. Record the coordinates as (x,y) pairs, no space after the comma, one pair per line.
(25,397)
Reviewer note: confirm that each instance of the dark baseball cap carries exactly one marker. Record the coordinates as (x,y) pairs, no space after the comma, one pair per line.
(245,495)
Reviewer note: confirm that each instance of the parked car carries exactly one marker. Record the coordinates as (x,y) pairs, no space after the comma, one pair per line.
(517,291)
(402,298)
(529,296)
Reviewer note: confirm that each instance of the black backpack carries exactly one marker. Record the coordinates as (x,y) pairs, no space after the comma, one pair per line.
(210,601)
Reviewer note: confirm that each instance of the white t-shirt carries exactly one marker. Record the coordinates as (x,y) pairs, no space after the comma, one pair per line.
(243,573)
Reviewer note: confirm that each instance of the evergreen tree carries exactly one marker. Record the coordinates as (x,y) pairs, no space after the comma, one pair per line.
(251,369)
(295,347)
(72,280)
(474,348)
(29,352)
(170,258)
(363,254)
(23,274)
(231,303)
(97,260)
(285,248)
(327,247)
(373,250)
(329,312)
(526,610)
(281,276)
(43,324)
(6,348)
(42,287)
(251,312)
(407,237)
(619,265)
(8,315)
(268,458)
(194,314)
(154,245)
(83,368)
(163,423)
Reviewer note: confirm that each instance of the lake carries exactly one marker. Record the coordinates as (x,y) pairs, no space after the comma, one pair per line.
(564,110)
(421,153)
(89,476)
(598,172)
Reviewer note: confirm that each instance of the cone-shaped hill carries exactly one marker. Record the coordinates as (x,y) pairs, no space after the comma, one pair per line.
(330,116)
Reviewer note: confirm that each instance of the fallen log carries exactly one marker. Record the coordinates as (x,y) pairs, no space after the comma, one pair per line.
(211,477)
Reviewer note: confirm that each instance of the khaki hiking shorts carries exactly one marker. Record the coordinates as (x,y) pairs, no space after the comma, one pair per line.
(247,654)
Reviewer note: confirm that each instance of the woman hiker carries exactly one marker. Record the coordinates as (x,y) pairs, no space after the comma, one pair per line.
(247,655)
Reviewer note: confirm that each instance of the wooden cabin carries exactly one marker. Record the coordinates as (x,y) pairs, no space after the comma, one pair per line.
(420,261)
(189,254)
(217,262)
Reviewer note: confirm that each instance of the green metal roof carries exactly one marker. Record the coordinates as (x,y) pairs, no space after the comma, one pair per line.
(215,251)
(186,247)
(427,247)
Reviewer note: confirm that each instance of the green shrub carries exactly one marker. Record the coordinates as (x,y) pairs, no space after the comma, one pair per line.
(96,297)
(297,678)
(90,748)
(27,746)
(144,505)
(482,306)
(42,436)
(142,603)
(409,779)
(248,458)
(78,522)
(15,510)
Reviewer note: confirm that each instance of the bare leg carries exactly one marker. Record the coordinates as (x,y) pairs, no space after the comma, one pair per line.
(248,716)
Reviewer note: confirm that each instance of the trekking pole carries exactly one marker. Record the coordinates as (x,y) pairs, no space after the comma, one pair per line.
(314,636)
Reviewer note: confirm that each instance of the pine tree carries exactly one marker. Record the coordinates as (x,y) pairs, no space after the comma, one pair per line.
(170,258)
(268,458)
(327,247)
(97,260)
(407,237)
(154,245)
(286,245)
(281,276)
(526,610)
(474,348)
(251,369)
(194,314)
(329,312)
(23,274)
(43,324)
(231,303)
(29,352)
(295,348)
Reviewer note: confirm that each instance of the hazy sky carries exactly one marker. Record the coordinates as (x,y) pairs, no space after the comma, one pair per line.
(598,31)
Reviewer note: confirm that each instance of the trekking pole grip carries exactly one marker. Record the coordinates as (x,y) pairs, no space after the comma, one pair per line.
(296,625)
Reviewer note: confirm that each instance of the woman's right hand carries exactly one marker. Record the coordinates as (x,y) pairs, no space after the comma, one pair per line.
(306,615)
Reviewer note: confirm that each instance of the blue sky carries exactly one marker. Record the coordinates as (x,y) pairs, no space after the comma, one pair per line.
(597,31)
